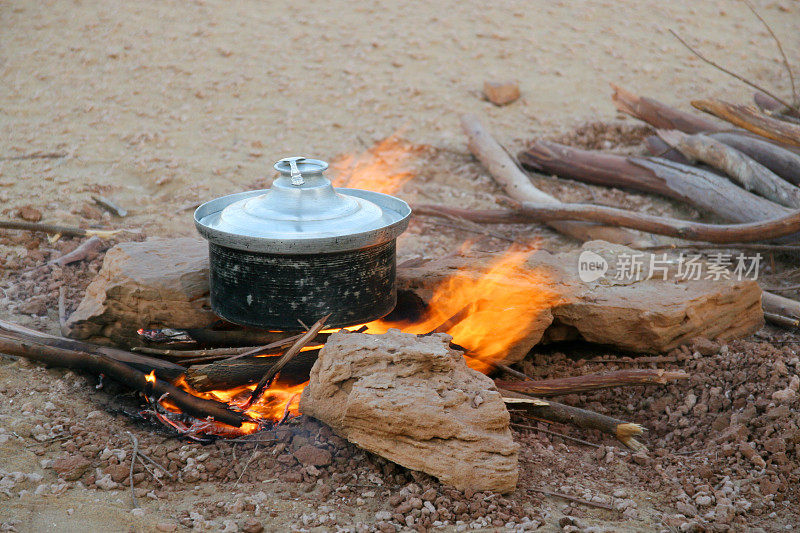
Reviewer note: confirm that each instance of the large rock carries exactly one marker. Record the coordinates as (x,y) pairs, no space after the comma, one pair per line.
(164,283)
(152,284)
(414,401)
(648,314)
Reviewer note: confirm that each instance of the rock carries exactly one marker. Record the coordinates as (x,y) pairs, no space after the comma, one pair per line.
(409,399)
(311,455)
(71,468)
(784,395)
(29,213)
(251,525)
(501,93)
(752,455)
(648,316)
(118,473)
(152,284)
(167,527)
(164,283)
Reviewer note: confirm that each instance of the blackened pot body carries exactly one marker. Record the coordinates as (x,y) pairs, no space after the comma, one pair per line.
(273,291)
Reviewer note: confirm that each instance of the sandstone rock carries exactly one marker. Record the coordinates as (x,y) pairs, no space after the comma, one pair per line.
(311,455)
(164,283)
(648,315)
(71,468)
(29,213)
(118,473)
(152,284)
(410,400)
(501,93)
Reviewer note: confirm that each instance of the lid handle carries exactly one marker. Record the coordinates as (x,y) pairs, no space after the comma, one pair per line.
(296,176)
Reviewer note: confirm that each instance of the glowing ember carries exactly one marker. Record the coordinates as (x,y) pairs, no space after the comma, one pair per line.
(383,168)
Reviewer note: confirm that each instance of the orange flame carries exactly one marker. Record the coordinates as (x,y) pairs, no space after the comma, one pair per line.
(151,377)
(486,315)
(385,167)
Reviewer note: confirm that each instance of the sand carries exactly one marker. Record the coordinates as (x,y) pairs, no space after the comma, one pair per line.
(160,105)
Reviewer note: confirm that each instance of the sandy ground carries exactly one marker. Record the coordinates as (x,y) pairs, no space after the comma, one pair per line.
(159,105)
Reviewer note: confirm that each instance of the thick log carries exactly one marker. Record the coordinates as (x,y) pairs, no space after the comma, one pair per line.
(751,119)
(610,216)
(702,189)
(163,369)
(780,160)
(594,167)
(780,305)
(96,363)
(590,382)
(661,116)
(738,166)
(712,192)
(517,185)
(239,372)
(582,418)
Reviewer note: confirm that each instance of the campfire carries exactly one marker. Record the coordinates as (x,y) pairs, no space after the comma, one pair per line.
(209,378)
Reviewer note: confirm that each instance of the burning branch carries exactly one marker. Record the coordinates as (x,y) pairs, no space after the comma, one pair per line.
(290,353)
(96,363)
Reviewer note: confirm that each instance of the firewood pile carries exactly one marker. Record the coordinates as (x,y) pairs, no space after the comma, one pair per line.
(415,387)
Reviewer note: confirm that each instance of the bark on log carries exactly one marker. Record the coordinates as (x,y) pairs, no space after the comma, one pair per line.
(163,369)
(590,382)
(739,167)
(661,116)
(780,305)
(657,147)
(711,192)
(610,216)
(702,189)
(582,418)
(96,363)
(783,162)
(751,119)
(503,169)
(240,372)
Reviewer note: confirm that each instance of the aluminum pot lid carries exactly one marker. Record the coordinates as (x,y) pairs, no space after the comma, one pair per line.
(302,214)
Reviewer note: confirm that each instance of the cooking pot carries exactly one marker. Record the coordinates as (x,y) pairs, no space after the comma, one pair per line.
(301,250)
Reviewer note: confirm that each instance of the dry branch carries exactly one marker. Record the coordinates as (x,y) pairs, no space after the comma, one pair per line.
(742,169)
(566,414)
(702,189)
(96,363)
(780,305)
(55,229)
(163,369)
(285,358)
(751,119)
(731,73)
(503,169)
(610,216)
(660,116)
(590,382)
